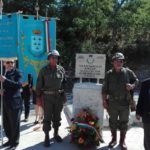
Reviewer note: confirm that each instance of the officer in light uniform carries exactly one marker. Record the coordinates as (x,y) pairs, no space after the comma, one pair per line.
(116,98)
(50,85)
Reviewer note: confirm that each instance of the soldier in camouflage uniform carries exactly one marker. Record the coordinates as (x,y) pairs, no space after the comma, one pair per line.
(50,85)
(116,98)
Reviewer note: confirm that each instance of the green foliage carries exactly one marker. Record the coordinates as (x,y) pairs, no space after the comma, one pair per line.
(95,26)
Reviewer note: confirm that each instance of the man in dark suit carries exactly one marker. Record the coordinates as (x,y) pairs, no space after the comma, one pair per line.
(12,103)
(143,110)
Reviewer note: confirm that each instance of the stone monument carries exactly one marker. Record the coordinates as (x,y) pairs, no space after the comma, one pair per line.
(88,94)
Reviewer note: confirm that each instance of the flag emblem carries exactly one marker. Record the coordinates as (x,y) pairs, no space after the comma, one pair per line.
(37,47)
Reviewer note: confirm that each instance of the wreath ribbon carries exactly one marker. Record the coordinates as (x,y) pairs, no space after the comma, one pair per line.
(84,125)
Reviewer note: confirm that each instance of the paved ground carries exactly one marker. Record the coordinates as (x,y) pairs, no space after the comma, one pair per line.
(33,140)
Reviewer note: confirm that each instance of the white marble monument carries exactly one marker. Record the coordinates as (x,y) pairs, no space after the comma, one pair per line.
(88,95)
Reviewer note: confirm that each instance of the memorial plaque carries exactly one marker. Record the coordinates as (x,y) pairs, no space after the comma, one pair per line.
(90,66)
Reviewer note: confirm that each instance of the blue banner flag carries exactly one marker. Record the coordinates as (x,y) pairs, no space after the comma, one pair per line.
(24,37)
(8,36)
(32,44)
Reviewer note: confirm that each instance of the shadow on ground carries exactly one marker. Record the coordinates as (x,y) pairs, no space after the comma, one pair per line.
(66,145)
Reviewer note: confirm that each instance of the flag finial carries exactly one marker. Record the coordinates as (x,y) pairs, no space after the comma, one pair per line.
(37,8)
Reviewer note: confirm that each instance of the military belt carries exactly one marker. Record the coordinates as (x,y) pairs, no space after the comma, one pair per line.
(117,97)
(51,92)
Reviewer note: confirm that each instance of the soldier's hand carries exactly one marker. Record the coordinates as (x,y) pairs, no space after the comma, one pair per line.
(129,86)
(138,117)
(133,105)
(105,104)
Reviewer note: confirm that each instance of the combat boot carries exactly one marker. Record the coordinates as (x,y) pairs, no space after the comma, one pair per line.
(122,140)
(47,140)
(56,136)
(113,142)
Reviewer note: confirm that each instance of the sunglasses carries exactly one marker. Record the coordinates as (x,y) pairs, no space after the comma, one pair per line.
(9,62)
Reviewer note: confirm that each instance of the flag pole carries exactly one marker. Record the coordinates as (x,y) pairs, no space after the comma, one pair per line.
(37,8)
(1,15)
(1,9)
(1,106)
(48,44)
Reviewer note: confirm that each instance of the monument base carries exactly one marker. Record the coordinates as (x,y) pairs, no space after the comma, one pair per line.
(88,95)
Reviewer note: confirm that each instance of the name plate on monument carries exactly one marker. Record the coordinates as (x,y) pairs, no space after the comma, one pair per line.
(90,66)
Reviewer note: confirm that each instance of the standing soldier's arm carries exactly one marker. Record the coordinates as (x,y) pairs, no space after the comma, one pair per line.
(133,80)
(105,92)
(64,79)
(105,101)
(136,80)
(63,85)
(39,85)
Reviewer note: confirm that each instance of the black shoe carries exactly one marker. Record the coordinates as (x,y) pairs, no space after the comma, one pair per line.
(46,144)
(47,141)
(26,120)
(13,146)
(58,138)
(36,122)
(6,144)
(112,143)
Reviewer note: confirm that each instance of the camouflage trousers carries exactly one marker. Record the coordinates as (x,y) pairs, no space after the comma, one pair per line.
(118,116)
(52,111)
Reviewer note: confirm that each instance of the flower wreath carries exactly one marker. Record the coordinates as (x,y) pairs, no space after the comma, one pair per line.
(85,129)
